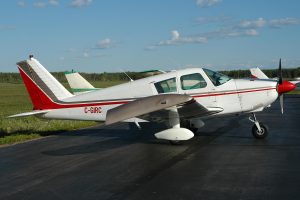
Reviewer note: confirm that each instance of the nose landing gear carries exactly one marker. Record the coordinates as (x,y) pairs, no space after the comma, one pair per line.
(259,130)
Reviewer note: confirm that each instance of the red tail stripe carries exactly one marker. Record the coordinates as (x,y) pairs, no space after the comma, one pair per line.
(41,101)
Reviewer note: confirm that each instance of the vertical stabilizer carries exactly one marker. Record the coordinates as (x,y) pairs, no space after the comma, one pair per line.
(42,87)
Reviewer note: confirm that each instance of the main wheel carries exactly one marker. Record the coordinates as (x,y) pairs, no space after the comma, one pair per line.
(262,134)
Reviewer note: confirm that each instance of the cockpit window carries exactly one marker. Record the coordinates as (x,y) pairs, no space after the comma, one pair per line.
(192,81)
(216,77)
(166,86)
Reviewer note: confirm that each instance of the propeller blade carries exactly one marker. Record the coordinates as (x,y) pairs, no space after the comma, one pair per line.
(279,73)
(281,103)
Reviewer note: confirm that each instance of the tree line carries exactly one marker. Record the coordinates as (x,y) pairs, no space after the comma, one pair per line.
(11,77)
(94,77)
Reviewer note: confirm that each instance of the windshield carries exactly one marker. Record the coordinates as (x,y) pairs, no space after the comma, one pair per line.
(216,77)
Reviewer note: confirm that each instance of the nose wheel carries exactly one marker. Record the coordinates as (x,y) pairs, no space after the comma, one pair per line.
(259,130)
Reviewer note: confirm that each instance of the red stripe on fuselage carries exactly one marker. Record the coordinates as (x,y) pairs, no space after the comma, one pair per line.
(229,93)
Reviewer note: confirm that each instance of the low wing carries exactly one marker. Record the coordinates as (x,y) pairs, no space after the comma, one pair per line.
(35,112)
(155,108)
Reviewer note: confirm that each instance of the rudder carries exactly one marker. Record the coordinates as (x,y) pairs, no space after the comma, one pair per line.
(42,87)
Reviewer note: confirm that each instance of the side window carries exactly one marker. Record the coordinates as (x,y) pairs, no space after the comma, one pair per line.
(192,81)
(166,86)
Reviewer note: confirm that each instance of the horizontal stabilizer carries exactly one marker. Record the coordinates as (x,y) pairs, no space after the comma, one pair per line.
(35,112)
(145,105)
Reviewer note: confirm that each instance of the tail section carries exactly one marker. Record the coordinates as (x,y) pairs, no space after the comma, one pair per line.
(42,87)
(77,83)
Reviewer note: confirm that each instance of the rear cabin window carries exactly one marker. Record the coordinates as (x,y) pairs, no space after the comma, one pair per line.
(192,81)
(166,86)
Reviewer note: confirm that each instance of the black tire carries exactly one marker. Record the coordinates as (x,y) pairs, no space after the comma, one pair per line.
(264,131)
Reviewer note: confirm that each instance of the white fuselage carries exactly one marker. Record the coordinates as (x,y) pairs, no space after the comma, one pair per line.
(234,96)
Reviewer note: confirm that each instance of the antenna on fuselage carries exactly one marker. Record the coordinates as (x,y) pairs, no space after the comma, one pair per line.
(127,75)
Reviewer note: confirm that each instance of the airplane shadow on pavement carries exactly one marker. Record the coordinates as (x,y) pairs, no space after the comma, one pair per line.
(105,138)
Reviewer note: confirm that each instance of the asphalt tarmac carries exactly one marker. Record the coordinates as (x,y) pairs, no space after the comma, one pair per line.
(223,161)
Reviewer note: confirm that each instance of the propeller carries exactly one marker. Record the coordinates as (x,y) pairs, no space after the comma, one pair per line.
(281,102)
(283,86)
(279,74)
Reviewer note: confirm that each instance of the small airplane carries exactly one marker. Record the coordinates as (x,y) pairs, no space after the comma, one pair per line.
(181,99)
(78,84)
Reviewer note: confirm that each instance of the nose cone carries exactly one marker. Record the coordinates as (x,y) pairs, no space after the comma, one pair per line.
(285,86)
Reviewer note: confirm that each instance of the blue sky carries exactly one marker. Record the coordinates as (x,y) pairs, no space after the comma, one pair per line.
(135,35)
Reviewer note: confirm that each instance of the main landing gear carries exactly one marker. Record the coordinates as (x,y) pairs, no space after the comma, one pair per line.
(175,134)
(259,130)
